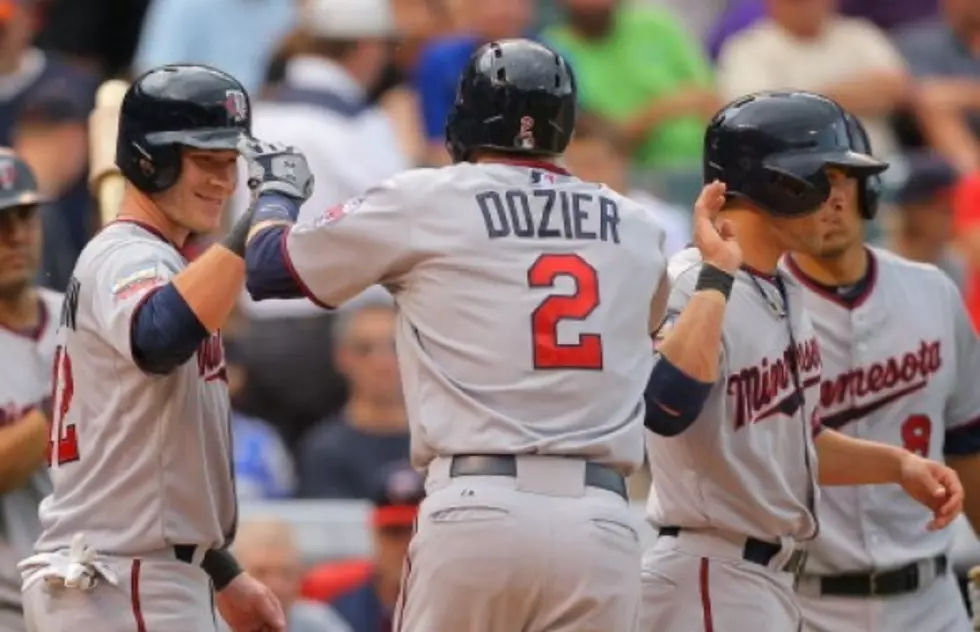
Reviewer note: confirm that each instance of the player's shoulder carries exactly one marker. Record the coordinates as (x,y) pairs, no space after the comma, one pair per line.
(683,268)
(411,183)
(894,269)
(125,244)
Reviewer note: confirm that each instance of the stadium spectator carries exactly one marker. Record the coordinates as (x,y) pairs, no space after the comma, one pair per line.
(322,106)
(264,467)
(44,108)
(266,549)
(639,68)
(364,592)
(807,45)
(944,55)
(966,227)
(597,154)
(237,36)
(100,35)
(341,456)
(885,14)
(922,225)
(441,63)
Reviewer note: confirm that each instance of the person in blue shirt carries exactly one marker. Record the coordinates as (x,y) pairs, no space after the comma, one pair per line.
(364,595)
(441,63)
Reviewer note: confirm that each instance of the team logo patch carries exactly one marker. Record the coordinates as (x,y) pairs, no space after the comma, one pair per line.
(237,105)
(336,213)
(136,282)
(665,327)
(8,174)
(525,137)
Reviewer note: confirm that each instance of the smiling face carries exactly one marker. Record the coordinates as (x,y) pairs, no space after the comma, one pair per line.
(207,180)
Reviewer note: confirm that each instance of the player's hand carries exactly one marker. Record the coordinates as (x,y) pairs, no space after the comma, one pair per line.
(714,237)
(276,168)
(247,605)
(935,486)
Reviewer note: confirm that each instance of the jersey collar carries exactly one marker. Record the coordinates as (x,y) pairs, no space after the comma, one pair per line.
(829,294)
(531,163)
(153,230)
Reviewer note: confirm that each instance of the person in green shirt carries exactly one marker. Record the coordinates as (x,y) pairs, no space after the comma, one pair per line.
(640,69)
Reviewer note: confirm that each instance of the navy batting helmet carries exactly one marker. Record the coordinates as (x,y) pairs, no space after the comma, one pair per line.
(515,96)
(18,186)
(772,149)
(869,185)
(177,106)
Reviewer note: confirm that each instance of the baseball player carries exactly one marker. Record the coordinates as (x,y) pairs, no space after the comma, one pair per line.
(525,299)
(143,505)
(28,323)
(736,447)
(900,366)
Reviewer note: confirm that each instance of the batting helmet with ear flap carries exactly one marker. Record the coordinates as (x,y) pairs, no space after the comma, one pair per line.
(182,105)
(869,184)
(773,149)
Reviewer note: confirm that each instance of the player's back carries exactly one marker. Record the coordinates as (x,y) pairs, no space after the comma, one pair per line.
(524,326)
(131,464)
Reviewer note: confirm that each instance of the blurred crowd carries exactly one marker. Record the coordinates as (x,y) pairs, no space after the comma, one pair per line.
(363,87)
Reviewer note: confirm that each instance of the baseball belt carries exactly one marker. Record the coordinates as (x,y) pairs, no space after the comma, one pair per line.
(898,581)
(596,475)
(756,551)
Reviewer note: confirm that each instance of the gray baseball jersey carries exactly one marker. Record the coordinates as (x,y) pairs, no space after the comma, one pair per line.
(901,366)
(25,381)
(138,462)
(524,305)
(747,464)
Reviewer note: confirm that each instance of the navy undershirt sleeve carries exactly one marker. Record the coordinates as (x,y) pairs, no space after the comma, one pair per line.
(268,274)
(165,332)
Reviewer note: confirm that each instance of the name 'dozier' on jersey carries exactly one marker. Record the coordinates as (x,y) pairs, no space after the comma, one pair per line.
(769,387)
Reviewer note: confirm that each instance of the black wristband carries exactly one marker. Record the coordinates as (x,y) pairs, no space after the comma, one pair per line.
(712,278)
(221,567)
(237,237)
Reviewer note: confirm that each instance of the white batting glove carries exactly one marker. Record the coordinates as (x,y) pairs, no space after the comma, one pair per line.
(277,168)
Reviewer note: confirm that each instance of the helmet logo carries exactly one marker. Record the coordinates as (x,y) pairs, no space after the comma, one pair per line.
(236,105)
(8,174)
(525,137)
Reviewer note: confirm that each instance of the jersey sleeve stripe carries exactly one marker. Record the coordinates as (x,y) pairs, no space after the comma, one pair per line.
(291,267)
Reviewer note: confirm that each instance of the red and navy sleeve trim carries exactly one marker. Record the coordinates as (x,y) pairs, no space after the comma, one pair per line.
(270,271)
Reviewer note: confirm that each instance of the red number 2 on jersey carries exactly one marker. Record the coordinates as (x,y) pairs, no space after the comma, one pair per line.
(548,353)
(64,389)
(916,434)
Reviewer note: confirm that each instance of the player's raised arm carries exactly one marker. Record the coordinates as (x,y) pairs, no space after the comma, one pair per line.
(330,258)
(687,362)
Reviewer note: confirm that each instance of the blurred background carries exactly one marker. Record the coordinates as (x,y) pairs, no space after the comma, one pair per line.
(363,87)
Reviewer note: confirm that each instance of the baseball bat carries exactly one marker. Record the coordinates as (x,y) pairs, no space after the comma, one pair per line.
(105,181)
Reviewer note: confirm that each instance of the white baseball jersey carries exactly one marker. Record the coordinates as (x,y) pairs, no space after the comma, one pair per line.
(524,305)
(25,381)
(747,464)
(139,462)
(901,366)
